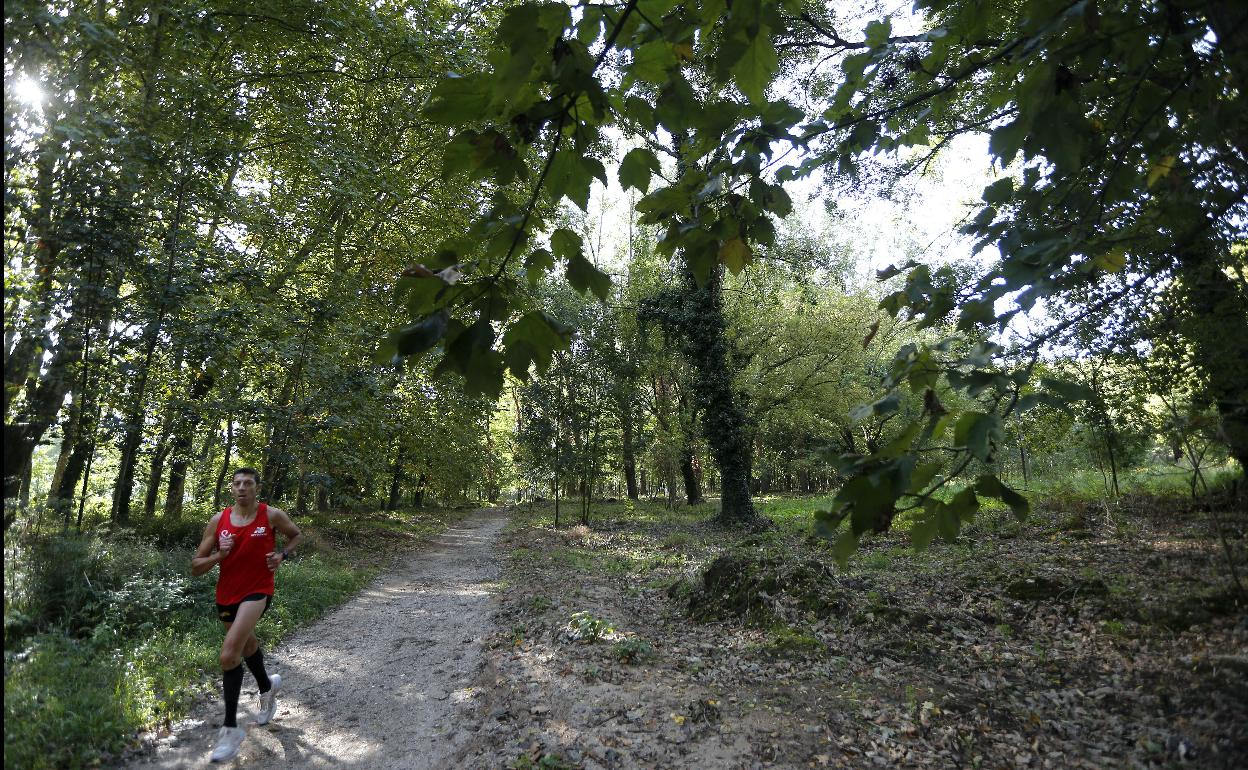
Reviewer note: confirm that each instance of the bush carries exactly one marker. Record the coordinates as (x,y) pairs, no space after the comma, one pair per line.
(106,633)
(60,704)
(87,585)
(583,626)
(182,534)
(632,650)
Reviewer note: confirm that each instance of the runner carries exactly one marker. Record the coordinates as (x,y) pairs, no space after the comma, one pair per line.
(246,548)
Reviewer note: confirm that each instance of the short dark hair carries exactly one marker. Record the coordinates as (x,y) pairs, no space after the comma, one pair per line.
(255,474)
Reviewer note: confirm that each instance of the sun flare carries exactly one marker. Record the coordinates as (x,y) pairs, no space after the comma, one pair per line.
(29,92)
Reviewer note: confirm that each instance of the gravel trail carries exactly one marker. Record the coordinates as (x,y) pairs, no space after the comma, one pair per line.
(381,682)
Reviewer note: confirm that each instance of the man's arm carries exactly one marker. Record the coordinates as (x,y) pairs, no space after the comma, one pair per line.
(205,557)
(282,523)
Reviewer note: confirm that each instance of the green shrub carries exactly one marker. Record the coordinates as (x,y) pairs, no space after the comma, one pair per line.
(106,633)
(182,534)
(61,704)
(85,585)
(632,650)
(583,626)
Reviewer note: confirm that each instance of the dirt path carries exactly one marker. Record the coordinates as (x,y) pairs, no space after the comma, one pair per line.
(381,682)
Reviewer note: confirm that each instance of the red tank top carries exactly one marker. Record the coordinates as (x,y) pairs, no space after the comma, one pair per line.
(244,570)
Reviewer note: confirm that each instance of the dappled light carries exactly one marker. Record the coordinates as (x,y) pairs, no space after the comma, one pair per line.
(626,384)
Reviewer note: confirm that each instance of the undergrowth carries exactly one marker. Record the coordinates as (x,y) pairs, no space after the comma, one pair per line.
(106,633)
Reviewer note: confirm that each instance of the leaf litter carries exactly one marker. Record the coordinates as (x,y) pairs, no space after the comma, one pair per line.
(1063,645)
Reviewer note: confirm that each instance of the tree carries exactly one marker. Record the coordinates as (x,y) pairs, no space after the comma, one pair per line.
(1125,114)
(204,218)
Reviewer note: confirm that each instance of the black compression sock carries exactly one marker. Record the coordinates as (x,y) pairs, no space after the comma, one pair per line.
(232,685)
(255,664)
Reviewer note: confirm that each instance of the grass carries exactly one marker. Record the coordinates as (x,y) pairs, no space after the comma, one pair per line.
(106,635)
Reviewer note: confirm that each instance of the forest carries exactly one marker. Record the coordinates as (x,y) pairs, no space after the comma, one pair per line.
(765,323)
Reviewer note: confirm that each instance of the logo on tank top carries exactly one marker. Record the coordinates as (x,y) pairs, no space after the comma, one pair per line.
(258,531)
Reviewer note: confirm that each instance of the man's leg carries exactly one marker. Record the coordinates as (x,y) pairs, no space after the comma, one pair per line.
(239,635)
(253,656)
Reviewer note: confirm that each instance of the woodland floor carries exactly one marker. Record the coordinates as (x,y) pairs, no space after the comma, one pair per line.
(1071,642)
(1077,641)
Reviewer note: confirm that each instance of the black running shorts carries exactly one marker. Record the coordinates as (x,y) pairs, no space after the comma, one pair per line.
(226,612)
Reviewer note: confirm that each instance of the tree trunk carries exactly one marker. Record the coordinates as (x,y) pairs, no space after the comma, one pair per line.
(627,451)
(68,438)
(693,491)
(184,440)
(301,497)
(726,424)
(225,462)
(396,478)
(277,456)
(132,433)
(36,415)
(157,470)
(1216,323)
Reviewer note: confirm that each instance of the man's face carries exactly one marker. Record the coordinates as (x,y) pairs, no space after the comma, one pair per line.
(244,487)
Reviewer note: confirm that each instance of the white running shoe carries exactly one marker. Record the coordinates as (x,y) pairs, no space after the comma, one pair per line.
(268,700)
(229,739)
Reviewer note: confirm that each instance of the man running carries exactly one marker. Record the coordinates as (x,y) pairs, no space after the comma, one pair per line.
(241,539)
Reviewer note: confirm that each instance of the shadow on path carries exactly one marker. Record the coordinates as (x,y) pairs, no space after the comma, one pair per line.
(382,681)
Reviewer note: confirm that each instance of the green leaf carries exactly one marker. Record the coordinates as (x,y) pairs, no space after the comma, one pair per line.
(887,405)
(939,425)
(1018,504)
(877,32)
(1160,169)
(538,264)
(701,260)
(990,486)
(416,338)
(419,293)
(457,100)
(901,444)
(827,522)
(974,313)
(636,169)
(582,275)
(484,376)
(594,168)
(924,530)
(735,254)
(638,109)
(922,476)
(948,523)
(978,432)
(844,547)
(1007,140)
(754,70)
(964,504)
(652,62)
(1071,391)
(854,65)
(868,500)
(894,270)
(565,243)
(662,203)
(999,191)
(532,340)
(1111,261)
(578,182)
(677,105)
